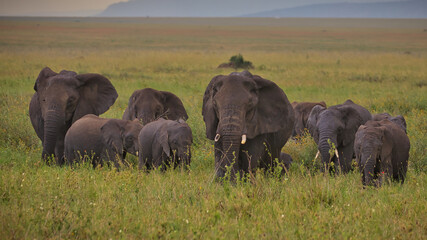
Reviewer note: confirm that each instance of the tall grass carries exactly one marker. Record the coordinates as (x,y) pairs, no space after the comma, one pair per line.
(380,68)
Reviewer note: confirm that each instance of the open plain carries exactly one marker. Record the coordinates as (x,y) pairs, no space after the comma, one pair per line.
(379,64)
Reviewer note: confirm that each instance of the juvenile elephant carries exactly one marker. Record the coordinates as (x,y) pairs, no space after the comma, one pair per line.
(336,125)
(249,118)
(302,111)
(60,100)
(399,119)
(149,104)
(101,139)
(382,151)
(165,143)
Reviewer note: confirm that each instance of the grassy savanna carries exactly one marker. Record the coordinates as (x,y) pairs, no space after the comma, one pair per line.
(379,64)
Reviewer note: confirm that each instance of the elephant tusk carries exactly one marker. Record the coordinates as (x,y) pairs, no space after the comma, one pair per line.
(243,139)
(317,155)
(217,137)
(336,153)
(137,153)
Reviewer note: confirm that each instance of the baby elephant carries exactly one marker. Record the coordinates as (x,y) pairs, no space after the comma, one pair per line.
(101,139)
(382,151)
(164,143)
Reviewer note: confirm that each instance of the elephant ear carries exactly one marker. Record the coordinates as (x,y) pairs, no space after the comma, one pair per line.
(352,121)
(36,118)
(111,133)
(209,115)
(41,80)
(387,145)
(273,111)
(312,121)
(97,94)
(400,121)
(323,104)
(162,140)
(129,113)
(174,106)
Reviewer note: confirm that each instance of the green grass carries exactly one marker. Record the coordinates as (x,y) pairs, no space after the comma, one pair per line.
(378,64)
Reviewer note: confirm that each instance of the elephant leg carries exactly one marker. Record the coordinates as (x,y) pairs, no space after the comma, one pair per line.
(143,161)
(59,151)
(345,157)
(402,172)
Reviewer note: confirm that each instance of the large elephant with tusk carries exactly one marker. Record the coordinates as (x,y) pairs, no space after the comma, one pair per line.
(250,119)
(336,125)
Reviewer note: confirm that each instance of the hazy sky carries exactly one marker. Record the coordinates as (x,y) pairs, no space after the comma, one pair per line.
(92,7)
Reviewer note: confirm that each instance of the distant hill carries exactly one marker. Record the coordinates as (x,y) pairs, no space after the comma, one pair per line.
(401,9)
(243,8)
(187,8)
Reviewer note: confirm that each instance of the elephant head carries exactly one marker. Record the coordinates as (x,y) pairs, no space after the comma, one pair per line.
(149,104)
(176,139)
(121,135)
(336,125)
(61,99)
(238,108)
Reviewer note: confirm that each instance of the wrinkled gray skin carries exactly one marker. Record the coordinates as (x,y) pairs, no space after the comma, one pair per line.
(63,98)
(338,124)
(244,104)
(286,159)
(102,139)
(399,119)
(149,104)
(165,143)
(302,111)
(382,152)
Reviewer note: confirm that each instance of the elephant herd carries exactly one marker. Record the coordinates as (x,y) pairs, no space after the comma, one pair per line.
(249,118)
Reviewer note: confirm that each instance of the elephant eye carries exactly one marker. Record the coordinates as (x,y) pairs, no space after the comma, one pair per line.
(71,99)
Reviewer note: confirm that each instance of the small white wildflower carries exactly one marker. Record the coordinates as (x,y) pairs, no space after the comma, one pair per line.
(283,215)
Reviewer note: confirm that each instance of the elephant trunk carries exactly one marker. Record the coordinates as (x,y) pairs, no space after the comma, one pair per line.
(53,123)
(146,117)
(368,167)
(230,156)
(232,132)
(326,138)
(185,158)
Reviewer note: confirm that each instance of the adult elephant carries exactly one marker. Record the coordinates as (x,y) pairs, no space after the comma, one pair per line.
(149,104)
(399,120)
(61,99)
(250,119)
(101,139)
(382,151)
(302,111)
(336,125)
